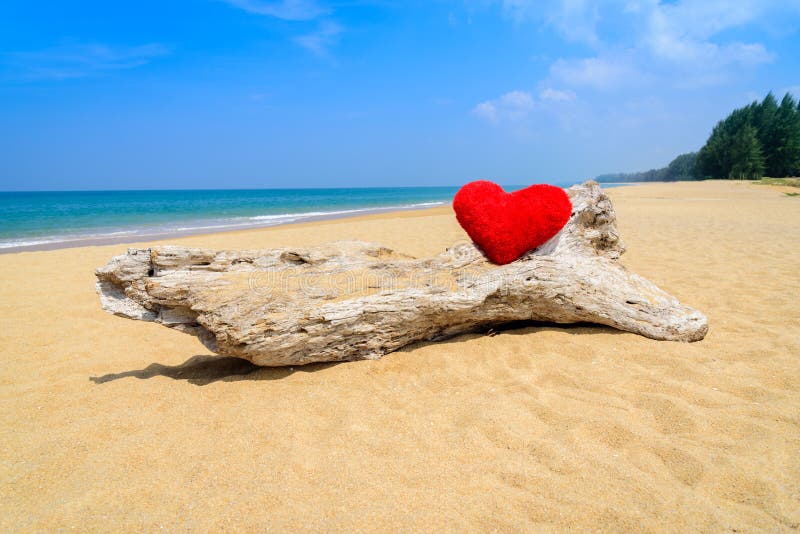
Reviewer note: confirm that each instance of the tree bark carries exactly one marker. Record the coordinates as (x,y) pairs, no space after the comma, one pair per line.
(352,300)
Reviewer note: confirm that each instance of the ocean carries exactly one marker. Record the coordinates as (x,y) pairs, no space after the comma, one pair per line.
(42,220)
(73,218)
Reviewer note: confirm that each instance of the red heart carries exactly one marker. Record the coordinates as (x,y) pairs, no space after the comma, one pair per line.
(507,225)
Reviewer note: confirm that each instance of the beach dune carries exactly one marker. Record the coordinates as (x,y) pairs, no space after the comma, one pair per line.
(109,424)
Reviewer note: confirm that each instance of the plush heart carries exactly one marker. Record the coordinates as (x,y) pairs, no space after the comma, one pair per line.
(507,225)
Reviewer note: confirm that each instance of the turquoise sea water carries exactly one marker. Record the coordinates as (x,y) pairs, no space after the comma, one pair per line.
(55,219)
(63,218)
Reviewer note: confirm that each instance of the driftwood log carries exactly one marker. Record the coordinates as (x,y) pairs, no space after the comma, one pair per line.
(353,300)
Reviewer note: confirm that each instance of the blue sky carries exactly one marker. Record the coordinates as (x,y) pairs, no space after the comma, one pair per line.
(310,93)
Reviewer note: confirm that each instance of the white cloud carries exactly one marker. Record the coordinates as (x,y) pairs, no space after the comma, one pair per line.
(82,60)
(748,54)
(317,42)
(512,106)
(702,19)
(681,33)
(594,72)
(575,20)
(321,40)
(680,42)
(486,110)
(555,95)
(282,9)
(515,106)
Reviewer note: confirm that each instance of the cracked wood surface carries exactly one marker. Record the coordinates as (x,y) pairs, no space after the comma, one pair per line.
(353,300)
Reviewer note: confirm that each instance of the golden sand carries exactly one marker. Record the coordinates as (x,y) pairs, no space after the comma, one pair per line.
(109,424)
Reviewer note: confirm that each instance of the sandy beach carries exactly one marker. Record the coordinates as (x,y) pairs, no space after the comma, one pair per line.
(115,425)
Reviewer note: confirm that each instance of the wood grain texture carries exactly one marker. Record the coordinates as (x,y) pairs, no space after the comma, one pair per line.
(352,300)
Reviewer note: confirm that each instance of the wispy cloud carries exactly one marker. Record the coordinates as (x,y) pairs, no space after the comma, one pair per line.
(684,42)
(556,95)
(320,41)
(512,106)
(681,33)
(283,9)
(594,72)
(516,106)
(575,20)
(82,60)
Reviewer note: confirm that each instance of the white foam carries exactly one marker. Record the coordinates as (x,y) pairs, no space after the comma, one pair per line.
(307,214)
(255,221)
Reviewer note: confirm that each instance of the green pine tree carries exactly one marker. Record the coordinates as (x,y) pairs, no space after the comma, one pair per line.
(765,116)
(682,167)
(746,159)
(710,158)
(757,139)
(730,152)
(785,156)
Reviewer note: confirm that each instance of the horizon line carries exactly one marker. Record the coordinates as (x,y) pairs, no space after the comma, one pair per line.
(251,188)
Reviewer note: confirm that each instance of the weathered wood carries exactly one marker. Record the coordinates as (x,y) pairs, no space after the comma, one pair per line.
(353,300)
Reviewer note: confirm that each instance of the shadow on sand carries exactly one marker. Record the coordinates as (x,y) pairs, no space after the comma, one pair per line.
(207,369)
(202,370)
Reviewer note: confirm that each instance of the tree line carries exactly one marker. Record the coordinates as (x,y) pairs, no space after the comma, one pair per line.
(761,139)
